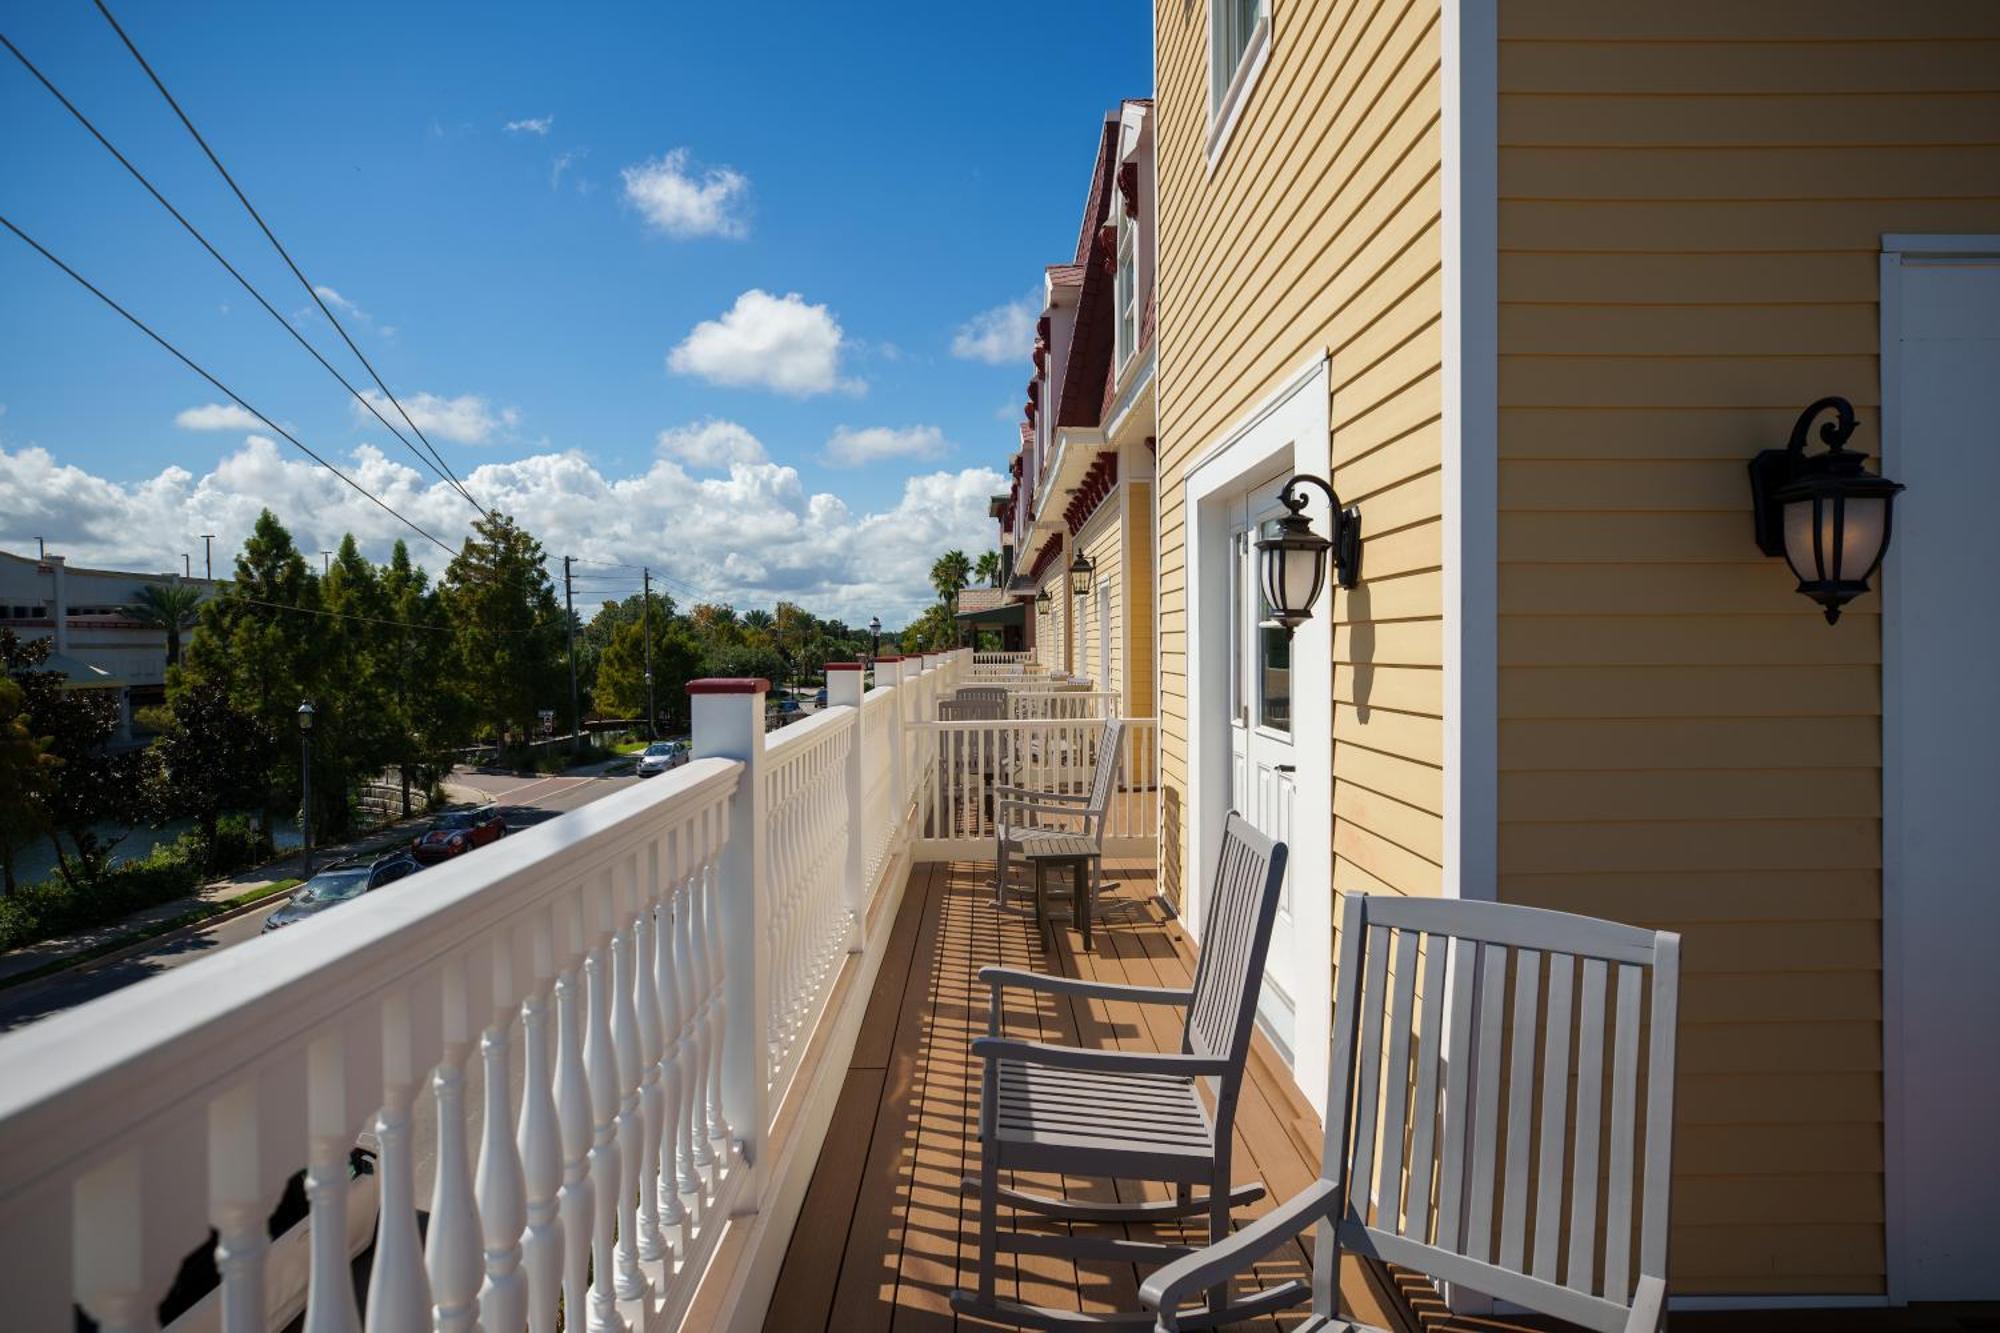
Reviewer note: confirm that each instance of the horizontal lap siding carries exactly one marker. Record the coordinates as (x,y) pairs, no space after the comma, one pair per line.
(1692,200)
(1104,544)
(1318,231)
(1138,616)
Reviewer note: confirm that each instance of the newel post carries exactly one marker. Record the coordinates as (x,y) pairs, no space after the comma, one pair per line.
(889,672)
(843,689)
(728,717)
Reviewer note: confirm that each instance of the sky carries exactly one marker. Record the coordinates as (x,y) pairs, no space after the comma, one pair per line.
(742,292)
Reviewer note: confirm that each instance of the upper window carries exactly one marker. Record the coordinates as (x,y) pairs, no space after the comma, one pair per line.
(1126,290)
(1239,36)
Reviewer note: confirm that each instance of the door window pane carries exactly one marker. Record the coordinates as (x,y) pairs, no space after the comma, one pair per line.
(1274,660)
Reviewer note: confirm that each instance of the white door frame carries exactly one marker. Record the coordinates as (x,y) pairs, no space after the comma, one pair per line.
(1897,1094)
(1289,429)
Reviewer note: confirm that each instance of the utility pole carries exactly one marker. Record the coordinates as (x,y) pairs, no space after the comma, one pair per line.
(41,550)
(187,566)
(646,635)
(569,623)
(325,563)
(208,555)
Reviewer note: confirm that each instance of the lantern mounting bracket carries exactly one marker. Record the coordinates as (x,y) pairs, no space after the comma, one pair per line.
(1772,468)
(1346,522)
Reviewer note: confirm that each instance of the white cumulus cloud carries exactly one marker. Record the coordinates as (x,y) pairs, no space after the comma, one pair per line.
(766,341)
(217,416)
(752,536)
(711,444)
(683,200)
(1004,334)
(466,419)
(537,125)
(875,444)
(339,302)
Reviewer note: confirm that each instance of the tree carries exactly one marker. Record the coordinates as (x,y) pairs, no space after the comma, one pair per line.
(987,571)
(508,625)
(715,624)
(431,717)
(27,770)
(88,783)
(950,573)
(621,671)
(172,607)
(211,756)
(758,618)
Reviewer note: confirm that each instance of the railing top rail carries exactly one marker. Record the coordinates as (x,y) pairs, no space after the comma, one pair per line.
(783,742)
(1021,723)
(81,1082)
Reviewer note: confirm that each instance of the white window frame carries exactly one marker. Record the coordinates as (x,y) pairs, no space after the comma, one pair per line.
(1226,106)
(1126,291)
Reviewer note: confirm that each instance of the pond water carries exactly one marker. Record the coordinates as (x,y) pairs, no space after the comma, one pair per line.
(37,861)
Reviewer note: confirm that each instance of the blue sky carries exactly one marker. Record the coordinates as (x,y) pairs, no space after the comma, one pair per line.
(570,231)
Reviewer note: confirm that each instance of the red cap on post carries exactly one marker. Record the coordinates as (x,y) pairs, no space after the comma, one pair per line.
(890,657)
(843,666)
(730,685)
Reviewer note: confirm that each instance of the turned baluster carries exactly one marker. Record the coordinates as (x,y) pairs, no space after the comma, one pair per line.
(576,1203)
(539,1140)
(398,1291)
(601,1064)
(237,1207)
(329,1139)
(717,976)
(631,1283)
(503,1205)
(645,966)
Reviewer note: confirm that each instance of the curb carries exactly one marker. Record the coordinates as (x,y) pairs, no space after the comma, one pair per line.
(124,951)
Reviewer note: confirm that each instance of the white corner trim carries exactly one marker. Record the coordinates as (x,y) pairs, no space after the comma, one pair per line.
(1222,119)
(1470,447)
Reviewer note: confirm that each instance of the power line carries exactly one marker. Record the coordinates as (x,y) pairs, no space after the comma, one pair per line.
(222,388)
(233,272)
(271,236)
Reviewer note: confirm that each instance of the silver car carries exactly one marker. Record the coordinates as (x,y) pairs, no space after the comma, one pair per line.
(661,756)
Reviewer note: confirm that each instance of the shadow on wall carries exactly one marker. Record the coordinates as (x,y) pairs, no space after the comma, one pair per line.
(1170,845)
(1360,656)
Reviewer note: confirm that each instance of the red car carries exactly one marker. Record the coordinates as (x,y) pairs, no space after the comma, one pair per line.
(457,833)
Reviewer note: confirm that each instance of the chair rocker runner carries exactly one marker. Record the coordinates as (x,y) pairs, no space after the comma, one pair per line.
(1020,815)
(1130,1115)
(1422,1062)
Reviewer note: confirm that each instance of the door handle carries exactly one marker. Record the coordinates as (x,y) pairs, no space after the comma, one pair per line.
(1284,768)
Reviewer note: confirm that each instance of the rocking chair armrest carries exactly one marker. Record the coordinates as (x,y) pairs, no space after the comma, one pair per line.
(1008,807)
(1084,1057)
(1649,1306)
(998,977)
(1214,1264)
(1080,798)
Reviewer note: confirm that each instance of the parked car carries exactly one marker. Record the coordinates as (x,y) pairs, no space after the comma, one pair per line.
(456,833)
(338,884)
(661,756)
(819,697)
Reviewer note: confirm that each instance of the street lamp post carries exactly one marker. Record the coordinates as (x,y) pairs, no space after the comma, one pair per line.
(875,639)
(651,734)
(306,779)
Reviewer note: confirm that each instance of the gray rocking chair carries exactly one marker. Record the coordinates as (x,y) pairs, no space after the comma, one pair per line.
(1129,1115)
(1021,814)
(1462,1205)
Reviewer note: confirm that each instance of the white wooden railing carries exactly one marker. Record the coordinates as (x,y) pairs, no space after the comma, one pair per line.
(652,987)
(1001,659)
(955,802)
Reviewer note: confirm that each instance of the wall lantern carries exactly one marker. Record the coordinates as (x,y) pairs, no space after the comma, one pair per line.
(1827,515)
(1292,565)
(1042,602)
(1080,571)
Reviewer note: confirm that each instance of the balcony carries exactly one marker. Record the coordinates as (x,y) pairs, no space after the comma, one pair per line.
(673,995)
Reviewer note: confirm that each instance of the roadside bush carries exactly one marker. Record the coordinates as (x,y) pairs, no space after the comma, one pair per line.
(239,843)
(172,870)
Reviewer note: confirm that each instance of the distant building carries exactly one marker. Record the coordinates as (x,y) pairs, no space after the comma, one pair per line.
(99,643)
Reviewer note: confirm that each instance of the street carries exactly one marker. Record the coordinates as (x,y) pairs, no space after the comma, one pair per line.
(523,801)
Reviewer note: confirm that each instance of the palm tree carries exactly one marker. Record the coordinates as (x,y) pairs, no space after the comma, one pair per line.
(171,607)
(987,571)
(758,618)
(951,572)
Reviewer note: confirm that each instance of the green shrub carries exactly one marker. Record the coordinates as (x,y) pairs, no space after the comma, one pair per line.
(172,870)
(238,843)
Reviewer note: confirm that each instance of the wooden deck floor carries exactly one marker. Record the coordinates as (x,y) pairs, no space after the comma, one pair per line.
(884,1236)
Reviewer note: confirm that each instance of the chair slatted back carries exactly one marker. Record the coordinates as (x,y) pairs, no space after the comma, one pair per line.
(962,709)
(1104,776)
(995,695)
(1236,936)
(1501,1099)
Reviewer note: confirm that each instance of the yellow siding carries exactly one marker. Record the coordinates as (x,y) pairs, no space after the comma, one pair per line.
(1692,201)
(1138,609)
(1102,541)
(1317,231)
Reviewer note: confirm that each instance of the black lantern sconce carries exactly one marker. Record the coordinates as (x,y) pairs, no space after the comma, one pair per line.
(1292,565)
(1080,571)
(1827,515)
(1042,602)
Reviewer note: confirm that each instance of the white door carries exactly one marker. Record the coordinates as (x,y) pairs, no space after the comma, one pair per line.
(1263,786)
(1941,769)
